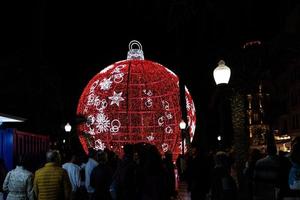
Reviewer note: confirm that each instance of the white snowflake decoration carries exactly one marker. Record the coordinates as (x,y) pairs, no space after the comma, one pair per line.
(99,145)
(102,123)
(116,98)
(105,84)
(150,138)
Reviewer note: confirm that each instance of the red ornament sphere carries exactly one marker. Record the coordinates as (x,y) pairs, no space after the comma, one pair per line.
(133,101)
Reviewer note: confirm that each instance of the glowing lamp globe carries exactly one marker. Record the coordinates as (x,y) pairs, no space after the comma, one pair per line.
(222,73)
(182,125)
(68,127)
(133,101)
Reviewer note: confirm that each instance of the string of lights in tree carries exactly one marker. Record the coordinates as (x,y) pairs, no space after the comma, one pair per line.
(134,101)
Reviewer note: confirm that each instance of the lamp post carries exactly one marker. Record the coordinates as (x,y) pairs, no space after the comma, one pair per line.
(182,126)
(240,137)
(68,129)
(221,76)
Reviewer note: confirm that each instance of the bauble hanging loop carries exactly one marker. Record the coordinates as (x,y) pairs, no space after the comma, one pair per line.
(135,54)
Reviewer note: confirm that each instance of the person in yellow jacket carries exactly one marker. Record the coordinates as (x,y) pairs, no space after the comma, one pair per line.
(51,182)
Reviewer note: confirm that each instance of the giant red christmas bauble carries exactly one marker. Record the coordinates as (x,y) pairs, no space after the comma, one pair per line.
(133,101)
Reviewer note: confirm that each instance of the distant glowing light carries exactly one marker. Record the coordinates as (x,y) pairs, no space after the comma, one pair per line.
(68,127)
(6,118)
(251,43)
(182,125)
(282,137)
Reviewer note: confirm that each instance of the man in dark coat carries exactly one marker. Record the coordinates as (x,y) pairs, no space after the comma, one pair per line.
(101,177)
(198,174)
(266,175)
(124,185)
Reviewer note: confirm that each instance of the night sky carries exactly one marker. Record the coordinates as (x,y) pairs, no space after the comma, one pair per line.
(49,50)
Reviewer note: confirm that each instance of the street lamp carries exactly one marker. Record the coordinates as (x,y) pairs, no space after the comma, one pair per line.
(222,73)
(234,101)
(221,76)
(68,127)
(182,126)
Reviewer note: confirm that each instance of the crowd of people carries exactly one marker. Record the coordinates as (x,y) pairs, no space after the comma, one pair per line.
(267,175)
(144,174)
(141,174)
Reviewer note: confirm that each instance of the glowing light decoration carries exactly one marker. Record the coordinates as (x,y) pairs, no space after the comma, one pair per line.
(191,113)
(133,101)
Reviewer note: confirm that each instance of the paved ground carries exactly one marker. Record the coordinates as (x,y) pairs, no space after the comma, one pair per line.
(182,192)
